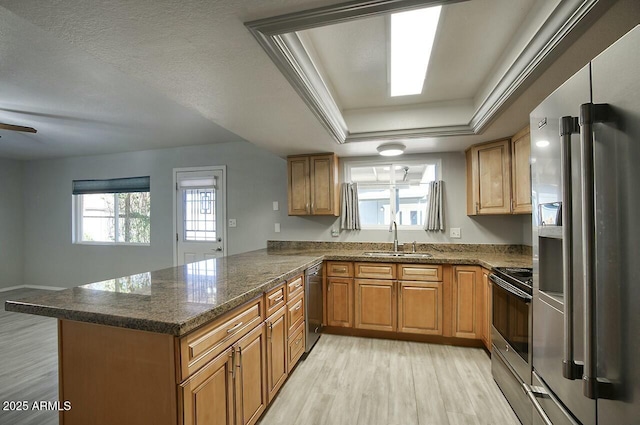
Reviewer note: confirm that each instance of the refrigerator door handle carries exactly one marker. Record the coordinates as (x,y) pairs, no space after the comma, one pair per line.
(570,369)
(592,386)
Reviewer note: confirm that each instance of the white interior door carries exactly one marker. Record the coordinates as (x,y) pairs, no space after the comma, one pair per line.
(200,214)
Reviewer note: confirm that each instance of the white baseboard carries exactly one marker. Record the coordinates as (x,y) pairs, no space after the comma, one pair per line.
(49,288)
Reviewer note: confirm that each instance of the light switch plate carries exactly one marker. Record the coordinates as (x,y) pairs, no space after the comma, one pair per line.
(277,228)
(454,232)
(276,206)
(232,222)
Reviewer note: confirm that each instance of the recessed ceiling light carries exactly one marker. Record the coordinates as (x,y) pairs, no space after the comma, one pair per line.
(542,143)
(412,36)
(391,149)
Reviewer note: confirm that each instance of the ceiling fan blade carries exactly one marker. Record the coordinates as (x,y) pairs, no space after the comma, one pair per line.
(17,128)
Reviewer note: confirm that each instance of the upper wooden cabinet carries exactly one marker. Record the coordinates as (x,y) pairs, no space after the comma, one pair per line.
(489,178)
(521,172)
(499,176)
(313,185)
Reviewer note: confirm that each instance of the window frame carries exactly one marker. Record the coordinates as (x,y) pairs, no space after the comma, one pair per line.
(391,162)
(77,223)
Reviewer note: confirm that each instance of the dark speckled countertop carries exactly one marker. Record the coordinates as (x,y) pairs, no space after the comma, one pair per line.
(178,300)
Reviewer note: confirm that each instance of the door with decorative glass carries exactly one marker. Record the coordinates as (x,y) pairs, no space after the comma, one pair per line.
(200,214)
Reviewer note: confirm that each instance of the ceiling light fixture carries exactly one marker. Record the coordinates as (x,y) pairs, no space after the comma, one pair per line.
(412,36)
(542,143)
(391,149)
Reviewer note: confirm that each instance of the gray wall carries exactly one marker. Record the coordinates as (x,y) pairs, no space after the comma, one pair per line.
(11,223)
(503,229)
(255,178)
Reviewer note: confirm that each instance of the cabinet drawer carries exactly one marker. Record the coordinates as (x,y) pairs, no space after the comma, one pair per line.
(274,299)
(204,344)
(420,272)
(295,286)
(295,312)
(375,270)
(296,346)
(339,269)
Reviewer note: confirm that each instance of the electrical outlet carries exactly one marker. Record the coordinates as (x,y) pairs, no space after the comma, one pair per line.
(232,222)
(277,228)
(335,232)
(454,232)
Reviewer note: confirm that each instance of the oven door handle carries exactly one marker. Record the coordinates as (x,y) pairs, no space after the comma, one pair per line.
(511,289)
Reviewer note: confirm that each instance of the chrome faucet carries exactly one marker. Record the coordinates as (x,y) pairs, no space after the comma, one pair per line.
(394,228)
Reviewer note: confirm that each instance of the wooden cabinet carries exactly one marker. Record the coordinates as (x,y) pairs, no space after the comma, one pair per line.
(295,346)
(375,270)
(420,307)
(339,269)
(230,389)
(295,320)
(340,302)
(375,304)
(467,302)
(499,176)
(207,397)
(489,178)
(276,352)
(275,299)
(487,309)
(251,377)
(313,185)
(521,172)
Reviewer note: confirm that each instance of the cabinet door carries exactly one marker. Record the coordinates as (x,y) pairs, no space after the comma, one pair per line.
(491,178)
(207,396)
(521,172)
(276,352)
(467,302)
(324,194)
(420,308)
(251,377)
(299,189)
(375,304)
(340,302)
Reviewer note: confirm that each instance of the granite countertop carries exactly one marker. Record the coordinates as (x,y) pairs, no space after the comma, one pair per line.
(178,300)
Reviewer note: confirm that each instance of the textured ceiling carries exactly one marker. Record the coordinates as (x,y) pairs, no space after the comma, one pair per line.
(97,77)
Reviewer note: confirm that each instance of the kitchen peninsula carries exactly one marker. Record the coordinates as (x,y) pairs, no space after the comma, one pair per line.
(176,345)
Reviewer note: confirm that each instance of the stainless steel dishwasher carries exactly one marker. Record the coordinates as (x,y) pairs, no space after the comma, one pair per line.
(313,305)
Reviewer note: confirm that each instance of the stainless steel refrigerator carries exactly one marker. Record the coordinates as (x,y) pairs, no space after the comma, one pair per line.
(585,154)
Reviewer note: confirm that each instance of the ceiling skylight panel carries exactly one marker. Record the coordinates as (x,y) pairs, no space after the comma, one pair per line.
(412,36)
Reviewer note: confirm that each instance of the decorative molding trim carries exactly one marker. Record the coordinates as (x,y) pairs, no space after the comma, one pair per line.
(557,27)
(277,37)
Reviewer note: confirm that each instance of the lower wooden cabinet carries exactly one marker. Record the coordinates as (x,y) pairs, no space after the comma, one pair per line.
(420,308)
(467,302)
(207,396)
(251,377)
(296,346)
(375,304)
(276,352)
(231,389)
(340,302)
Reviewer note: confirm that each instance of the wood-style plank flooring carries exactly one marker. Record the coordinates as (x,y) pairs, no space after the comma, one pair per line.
(345,380)
(28,362)
(348,380)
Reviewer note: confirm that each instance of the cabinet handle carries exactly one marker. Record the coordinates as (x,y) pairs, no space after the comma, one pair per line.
(298,308)
(277,300)
(476,208)
(307,207)
(298,341)
(232,354)
(234,328)
(512,205)
(270,327)
(312,205)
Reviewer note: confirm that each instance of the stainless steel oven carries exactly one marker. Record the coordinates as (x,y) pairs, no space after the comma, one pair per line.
(511,336)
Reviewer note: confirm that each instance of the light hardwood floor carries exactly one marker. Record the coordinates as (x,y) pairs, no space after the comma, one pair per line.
(348,380)
(345,380)
(28,362)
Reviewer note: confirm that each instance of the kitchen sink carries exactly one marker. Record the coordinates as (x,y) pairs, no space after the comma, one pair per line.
(397,254)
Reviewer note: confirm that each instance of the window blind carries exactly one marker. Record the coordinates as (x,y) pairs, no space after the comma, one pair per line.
(122,185)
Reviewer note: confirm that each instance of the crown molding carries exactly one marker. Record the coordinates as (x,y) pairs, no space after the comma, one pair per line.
(277,36)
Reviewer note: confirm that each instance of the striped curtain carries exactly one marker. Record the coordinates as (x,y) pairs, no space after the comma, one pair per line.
(434,221)
(349,215)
